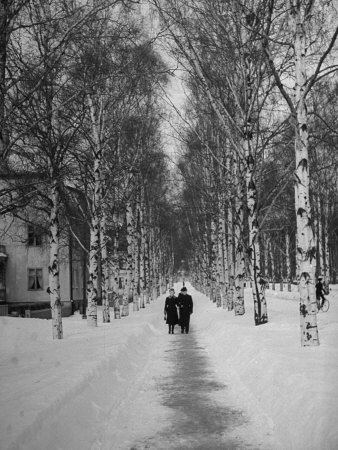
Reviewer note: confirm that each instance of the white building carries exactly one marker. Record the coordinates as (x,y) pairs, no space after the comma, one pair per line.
(24,259)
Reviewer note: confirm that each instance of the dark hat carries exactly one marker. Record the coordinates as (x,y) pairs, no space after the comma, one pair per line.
(184,289)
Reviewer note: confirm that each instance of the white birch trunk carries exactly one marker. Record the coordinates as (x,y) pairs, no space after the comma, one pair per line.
(104,270)
(326,242)
(288,260)
(154,267)
(53,268)
(266,259)
(136,261)
(92,287)
(142,274)
(306,251)
(152,256)
(230,243)
(147,268)
(115,268)
(258,290)
(130,242)
(222,255)
(239,307)
(115,273)
(272,260)
(320,256)
(214,248)
(231,260)
(93,279)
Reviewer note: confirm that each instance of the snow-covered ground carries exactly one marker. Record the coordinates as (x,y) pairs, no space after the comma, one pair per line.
(62,394)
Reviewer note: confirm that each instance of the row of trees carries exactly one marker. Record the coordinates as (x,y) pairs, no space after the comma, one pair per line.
(80,141)
(261,73)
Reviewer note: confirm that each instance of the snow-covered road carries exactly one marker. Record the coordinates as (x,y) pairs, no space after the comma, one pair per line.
(130,385)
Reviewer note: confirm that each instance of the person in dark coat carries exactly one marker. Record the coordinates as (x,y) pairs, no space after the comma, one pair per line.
(170,311)
(185,306)
(320,292)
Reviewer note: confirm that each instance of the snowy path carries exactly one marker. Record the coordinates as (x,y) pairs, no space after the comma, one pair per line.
(200,418)
(177,402)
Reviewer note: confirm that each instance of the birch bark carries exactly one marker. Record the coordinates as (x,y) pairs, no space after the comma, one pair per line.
(306,251)
(239,307)
(288,260)
(222,255)
(142,252)
(130,242)
(326,242)
(260,308)
(231,260)
(272,262)
(53,268)
(214,248)
(104,269)
(250,80)
(320,256)
(115,272)
(93,278)
(136,259)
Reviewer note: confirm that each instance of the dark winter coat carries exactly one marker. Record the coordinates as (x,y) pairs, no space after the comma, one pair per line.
(170,309)
(319,290)
(185,305)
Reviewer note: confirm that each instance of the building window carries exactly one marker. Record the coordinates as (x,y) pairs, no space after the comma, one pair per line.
(35,279)
(34,236)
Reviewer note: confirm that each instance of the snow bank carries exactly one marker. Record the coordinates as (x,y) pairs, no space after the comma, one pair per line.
(59,393)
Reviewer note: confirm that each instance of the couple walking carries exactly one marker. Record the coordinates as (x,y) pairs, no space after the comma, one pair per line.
(177,310)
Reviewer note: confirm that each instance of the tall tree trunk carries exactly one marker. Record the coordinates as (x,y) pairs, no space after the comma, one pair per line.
(154,268)
(326,270)
(213,236)
(142,249)
(53,268)
(272,260)
(288,260)
(136,259)
(115,270)
(104,269)
(130,252)
(238,223)
(258,290)
(93,272)
(320,256)
(230,241)
(222,252)
(147,259)
(266,260)
(94,252)
(231,260)
(306,250)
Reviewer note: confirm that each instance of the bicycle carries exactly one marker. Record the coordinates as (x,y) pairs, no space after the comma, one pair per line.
(324,307)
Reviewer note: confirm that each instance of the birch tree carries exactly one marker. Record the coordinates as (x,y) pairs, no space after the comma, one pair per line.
(300,18)
(46,145)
